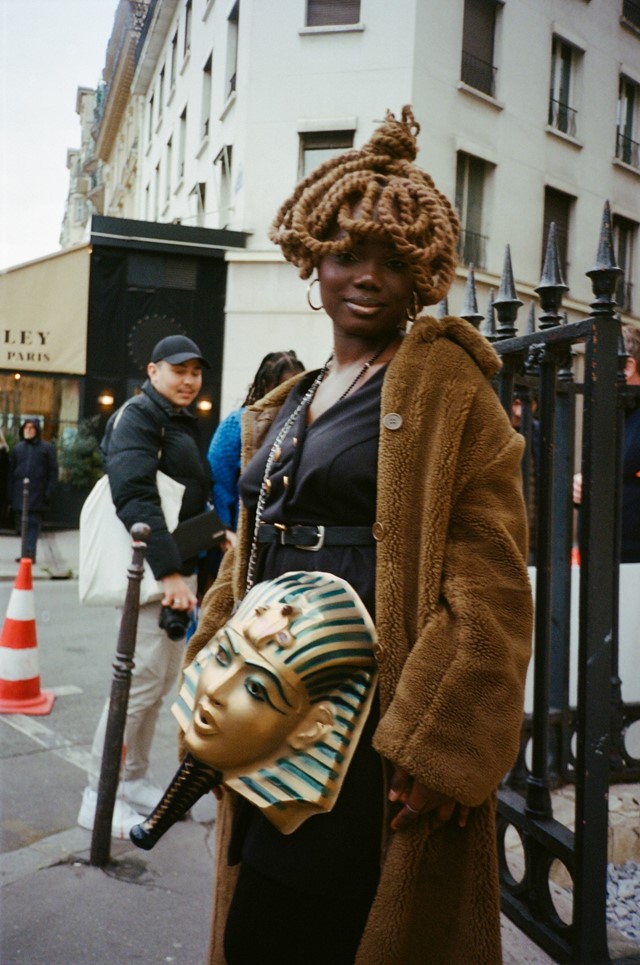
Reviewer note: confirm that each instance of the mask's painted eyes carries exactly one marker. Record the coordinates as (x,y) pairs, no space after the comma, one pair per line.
(223,655)
(256,689)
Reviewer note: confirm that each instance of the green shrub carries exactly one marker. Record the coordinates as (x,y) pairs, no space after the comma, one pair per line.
(80,458)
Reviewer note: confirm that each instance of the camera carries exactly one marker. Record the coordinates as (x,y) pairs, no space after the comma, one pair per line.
(174,622)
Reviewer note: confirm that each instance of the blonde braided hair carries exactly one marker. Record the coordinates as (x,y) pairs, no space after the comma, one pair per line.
(396,200)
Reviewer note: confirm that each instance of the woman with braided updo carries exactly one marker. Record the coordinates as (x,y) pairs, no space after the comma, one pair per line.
(395,468)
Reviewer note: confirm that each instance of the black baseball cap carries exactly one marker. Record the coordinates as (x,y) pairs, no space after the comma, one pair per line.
(176,349)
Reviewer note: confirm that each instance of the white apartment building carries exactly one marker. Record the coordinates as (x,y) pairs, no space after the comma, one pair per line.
(530,113)
(78,208)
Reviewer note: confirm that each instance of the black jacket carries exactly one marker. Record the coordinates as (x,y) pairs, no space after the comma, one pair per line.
(145,435)
(35,460)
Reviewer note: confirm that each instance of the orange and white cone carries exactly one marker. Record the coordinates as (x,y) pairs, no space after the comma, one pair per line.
(19,676)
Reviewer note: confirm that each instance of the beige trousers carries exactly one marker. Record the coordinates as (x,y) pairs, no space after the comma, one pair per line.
(157,662)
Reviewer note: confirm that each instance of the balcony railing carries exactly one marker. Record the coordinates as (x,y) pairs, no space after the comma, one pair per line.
(562,117)
(472,248)
(627,150)
(478,74)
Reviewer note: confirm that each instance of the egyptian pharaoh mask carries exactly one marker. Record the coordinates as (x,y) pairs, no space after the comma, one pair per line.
(275,703)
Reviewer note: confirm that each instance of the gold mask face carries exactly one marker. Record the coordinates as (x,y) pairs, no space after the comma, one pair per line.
(277,700)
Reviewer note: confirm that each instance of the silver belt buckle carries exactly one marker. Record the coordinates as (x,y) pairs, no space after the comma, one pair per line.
(316,546)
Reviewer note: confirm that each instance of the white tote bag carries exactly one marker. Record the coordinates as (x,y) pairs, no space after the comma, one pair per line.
(105,545)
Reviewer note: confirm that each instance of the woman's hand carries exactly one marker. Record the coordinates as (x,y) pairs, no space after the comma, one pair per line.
(177,594)
(420,801)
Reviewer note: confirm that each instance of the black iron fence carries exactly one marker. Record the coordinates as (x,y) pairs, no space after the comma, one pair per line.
(565,379)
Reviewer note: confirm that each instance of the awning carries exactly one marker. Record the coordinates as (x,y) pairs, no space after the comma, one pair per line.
(43,314)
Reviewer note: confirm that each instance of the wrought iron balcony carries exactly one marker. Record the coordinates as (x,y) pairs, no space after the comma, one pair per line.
(472,248)
(627,150)
(478,73)
(562,117)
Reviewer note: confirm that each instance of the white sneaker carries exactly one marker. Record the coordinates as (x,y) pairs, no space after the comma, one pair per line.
(124,817)
(140,794)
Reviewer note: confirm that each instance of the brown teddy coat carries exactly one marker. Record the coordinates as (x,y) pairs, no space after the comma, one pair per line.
(454,620)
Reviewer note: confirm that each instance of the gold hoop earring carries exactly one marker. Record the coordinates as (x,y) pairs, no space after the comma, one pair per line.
(315,308)
(413,310)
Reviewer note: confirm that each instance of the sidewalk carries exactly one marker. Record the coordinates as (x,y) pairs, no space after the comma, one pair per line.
(148,907)
(57,555)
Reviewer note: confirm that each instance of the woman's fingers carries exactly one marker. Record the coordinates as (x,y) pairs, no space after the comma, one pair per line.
(419,802)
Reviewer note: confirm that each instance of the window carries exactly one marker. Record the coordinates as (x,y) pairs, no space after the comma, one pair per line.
(233,23)
(79,210)
(156,192)
(557,208)
(625,233)
(478,33)
(564,63)
(631,12)
(224,194)
(186,46)
(206,99)
(167,170)
(160,93)
(182,144)
(471,176)
(318,146)
(174,56)
(627,125)
(200,192)
(150,124)
(332,12)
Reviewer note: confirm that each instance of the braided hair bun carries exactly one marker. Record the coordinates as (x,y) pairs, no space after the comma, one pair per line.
(375,192)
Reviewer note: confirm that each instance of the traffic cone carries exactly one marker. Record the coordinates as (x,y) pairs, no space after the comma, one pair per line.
(19,677)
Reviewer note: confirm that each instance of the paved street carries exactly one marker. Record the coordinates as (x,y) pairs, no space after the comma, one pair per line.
(149,907)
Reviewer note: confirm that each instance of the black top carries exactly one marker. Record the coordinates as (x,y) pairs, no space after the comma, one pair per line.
(330,467)
(326,475)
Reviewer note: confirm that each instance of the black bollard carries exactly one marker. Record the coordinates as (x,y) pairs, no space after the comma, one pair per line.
(120,686)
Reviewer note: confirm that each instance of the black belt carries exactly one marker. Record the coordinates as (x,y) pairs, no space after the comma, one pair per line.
(315,537)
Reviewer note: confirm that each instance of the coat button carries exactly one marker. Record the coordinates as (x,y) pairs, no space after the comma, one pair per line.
(392,420)
(378,652)
(377,531)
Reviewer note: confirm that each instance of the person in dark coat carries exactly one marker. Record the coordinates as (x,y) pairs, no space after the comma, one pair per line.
(152,431)
(35,460)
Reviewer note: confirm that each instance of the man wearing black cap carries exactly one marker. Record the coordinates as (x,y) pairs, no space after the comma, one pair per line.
(152,431)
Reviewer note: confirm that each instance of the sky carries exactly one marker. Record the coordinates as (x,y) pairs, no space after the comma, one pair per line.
(48,48)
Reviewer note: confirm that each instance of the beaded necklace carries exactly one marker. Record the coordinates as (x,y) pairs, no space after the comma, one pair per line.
(276,448)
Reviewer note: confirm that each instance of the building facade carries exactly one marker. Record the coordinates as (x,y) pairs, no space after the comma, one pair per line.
(529,113)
